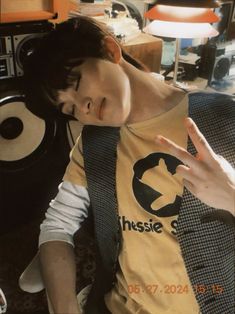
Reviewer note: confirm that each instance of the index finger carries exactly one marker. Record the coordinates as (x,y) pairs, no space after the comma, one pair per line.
(198,139)
(177,151)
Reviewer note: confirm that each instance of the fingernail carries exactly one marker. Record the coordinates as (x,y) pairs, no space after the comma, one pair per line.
(189,121)
(189,124)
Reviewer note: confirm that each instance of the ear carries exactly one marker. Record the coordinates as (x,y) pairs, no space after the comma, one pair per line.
(113,49)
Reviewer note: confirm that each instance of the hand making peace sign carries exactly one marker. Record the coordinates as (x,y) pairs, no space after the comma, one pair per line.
(207,175)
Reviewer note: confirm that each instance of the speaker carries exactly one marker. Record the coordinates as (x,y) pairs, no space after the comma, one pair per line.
(215,62)
(33,157)
(16,42)
(221,68)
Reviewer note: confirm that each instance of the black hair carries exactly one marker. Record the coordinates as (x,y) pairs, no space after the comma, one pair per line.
(49,68)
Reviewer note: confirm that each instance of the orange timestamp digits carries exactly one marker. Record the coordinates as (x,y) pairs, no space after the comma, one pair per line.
(153,288)
(216,289)
(136,288)
(173,289)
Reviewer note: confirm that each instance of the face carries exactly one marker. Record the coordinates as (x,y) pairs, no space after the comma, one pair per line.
(101,96)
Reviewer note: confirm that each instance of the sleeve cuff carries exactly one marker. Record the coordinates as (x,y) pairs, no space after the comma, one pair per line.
(55,236)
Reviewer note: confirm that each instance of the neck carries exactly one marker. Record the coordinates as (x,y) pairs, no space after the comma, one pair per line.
(149,96)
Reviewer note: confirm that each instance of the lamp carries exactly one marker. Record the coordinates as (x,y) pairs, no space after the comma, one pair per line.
(179,19)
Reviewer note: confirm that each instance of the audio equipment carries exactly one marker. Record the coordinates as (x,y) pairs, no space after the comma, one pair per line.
(208,54)
(16,42)
(216,62)
(33,157)
(6,58)
(221,68)
(22,133)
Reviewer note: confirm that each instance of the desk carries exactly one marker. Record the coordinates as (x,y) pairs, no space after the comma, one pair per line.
(147,49)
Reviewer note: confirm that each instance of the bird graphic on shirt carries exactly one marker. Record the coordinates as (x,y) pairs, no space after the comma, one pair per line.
(156,185)
(167,184)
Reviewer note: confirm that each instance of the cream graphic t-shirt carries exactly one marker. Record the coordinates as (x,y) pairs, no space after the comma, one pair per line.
(152,277)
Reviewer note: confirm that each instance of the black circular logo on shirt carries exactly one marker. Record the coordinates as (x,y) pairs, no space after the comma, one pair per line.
(163,190)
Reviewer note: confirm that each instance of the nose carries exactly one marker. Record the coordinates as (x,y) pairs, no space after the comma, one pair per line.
(86,105)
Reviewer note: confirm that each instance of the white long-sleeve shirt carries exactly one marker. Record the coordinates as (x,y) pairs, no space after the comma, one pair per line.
(65,214)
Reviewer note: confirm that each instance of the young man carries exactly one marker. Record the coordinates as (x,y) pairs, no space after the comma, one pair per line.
(161,248)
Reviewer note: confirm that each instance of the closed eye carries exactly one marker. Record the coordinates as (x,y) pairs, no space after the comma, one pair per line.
(65,110)
(78,81)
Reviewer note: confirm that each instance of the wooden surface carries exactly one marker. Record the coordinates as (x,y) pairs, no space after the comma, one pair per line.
(8,6)
(33,10)
(147,49)
(26,16)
